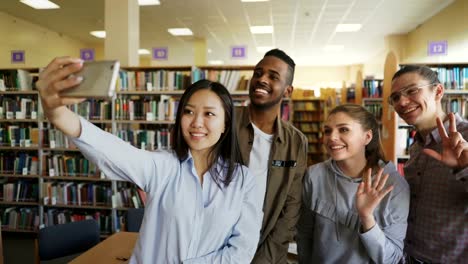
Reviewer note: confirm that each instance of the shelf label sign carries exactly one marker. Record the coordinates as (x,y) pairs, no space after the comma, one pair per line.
(239,52)
(87,54)
(436,48)
(160,53)
(17,56)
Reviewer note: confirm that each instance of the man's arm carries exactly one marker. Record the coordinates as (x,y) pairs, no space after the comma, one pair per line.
(275,247)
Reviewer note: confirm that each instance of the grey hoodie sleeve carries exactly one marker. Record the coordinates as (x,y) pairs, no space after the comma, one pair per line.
(385,244)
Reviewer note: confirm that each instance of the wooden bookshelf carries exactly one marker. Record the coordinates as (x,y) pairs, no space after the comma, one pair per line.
(308,116)
(19,151)
(389,117)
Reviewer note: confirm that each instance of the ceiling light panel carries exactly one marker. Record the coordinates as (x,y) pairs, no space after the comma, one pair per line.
(144,52)
(180,31)
(348,27)
(98,33)
(148,2)
(40,4)
(261,29)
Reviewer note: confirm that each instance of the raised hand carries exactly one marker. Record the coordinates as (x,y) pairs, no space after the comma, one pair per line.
(55,78)
(454,146)
(368,195)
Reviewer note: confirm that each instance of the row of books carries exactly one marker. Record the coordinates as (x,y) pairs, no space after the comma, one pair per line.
(20,218)
(19,163)
(148,109)
(153,80)
(455,104)
(18,107)
(233,80)
(93,109)
(375,108)
(17,135)
(19,191)
(453,78)
(55,216)
(308,127)
(68,166)
(313,138)
(307,116)
(306,106)
(73,193)
(372,88)
(129,197)
(15,80)
(147,139)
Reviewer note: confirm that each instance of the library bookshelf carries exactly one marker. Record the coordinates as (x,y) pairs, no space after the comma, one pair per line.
(308,114)
(46,180)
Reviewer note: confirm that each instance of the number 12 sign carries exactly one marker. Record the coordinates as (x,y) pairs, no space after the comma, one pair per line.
(435,48)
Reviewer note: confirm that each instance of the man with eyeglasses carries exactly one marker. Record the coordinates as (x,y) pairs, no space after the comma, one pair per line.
(436,170)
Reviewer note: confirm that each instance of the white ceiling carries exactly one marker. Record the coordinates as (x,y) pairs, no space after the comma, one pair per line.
(301,27)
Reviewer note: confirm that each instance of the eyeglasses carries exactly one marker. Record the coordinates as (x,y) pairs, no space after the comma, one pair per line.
(410,92)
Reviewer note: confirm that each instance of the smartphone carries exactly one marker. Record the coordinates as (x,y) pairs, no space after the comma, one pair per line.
(99,80)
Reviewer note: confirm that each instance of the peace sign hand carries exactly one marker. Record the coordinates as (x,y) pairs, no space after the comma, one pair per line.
(454,146)
(368,196)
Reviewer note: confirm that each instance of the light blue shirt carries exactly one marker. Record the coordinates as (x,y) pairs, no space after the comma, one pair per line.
(184,221)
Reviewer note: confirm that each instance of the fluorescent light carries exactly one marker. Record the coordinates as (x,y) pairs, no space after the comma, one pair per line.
(180,31)
(209,51)
(98,33)
(348,27)
(144,52)
(215,62)
(148,2)
(249,1)
(40,4)
(333,48)
(261,29)
(264,49)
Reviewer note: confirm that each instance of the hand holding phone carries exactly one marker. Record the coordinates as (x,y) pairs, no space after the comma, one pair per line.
(99,80)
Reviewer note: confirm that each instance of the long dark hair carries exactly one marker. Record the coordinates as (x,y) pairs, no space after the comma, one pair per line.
(374,150)
(227,146)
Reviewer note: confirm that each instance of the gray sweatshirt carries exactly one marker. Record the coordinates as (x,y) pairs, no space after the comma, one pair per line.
(329,227)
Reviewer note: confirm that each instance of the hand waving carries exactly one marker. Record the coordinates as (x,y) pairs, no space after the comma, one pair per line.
(368,196)
(454,146)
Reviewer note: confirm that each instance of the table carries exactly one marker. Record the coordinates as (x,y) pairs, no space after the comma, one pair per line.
(115,249)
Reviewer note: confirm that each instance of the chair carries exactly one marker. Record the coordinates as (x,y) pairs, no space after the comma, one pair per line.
(66,239)
(134,219)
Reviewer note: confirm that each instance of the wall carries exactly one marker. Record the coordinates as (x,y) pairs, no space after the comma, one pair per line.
(449,25)
(40,44)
